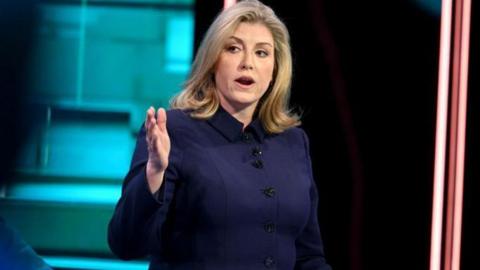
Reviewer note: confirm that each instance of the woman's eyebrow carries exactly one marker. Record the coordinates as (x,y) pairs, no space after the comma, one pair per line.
(239,40)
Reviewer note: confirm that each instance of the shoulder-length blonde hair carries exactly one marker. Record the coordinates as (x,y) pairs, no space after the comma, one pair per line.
(199,93)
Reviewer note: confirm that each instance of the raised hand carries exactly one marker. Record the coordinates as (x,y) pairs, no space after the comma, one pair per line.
(158,143)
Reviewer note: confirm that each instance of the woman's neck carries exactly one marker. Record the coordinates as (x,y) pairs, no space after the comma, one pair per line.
(244,115)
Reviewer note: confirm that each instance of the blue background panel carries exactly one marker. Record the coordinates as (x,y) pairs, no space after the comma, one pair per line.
(95,68)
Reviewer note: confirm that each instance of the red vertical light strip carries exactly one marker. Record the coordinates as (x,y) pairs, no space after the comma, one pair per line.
(457,135)
(228,3)
(441,136)
(461,131)
(453,124)
(457,130)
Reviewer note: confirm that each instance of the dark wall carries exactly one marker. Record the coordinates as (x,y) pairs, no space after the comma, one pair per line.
(366,75)
(205,13)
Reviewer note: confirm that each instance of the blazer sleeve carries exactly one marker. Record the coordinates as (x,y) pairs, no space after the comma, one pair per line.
(309,245)
(139,214)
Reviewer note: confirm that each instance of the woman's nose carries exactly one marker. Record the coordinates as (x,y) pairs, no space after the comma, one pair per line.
(246,62)
(246,66)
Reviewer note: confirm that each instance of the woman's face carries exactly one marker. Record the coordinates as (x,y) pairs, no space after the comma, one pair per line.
(245,67)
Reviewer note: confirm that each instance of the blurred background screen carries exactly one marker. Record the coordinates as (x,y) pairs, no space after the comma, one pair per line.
(94,68)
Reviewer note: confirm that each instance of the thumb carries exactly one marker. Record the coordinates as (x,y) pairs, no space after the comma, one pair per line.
(162,119)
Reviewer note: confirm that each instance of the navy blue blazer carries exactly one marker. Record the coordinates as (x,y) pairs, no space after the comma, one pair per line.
(231,199)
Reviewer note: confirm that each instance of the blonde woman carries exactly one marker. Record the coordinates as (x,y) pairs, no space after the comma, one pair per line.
(223,180)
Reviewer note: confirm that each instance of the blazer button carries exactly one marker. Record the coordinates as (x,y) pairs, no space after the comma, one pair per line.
(269,192)
(246,137)
(269,262)
(258,164)
(269,227)
(256,151)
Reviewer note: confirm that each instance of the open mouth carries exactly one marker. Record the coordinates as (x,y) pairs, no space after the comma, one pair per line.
(246,81)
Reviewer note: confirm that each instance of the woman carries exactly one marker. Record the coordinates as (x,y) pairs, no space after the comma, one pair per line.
(226,181)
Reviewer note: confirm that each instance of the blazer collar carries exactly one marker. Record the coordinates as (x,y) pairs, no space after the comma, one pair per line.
(231,128)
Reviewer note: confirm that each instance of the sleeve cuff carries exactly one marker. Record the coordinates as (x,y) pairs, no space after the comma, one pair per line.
(139,192)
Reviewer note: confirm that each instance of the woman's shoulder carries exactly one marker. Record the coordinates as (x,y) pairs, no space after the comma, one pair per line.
(177,113)
(295,134)
(179,119)
(297,139)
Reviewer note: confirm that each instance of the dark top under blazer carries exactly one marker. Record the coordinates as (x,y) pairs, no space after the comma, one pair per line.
(231,199)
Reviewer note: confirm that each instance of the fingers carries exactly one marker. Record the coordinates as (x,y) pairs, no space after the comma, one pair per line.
(162,119)
(149,118)
(151,122)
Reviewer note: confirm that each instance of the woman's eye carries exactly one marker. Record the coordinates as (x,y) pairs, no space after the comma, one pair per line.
(233,49)
(262,53)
